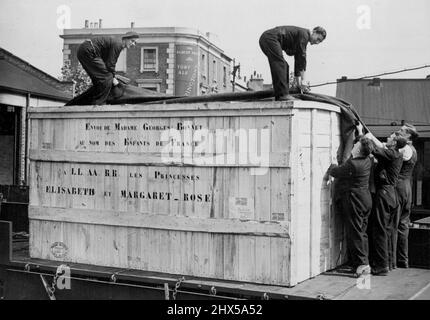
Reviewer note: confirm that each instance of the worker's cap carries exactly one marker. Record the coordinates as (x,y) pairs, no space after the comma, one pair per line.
(321,31)
(411,130)
(131,35)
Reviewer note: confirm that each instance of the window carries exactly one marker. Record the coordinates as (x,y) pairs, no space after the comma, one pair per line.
(149,59)
(150,84)
(214,71)
(152,87)
(224,76)
(204,71)
(121,64)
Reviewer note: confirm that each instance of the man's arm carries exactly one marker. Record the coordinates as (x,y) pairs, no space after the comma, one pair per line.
(114,52)
(384,153)
(343,171)
(300,78)
(300,60)
(375,140)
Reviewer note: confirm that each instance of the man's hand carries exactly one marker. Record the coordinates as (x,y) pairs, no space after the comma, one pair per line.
(115,82)
(303,88)
(359,127)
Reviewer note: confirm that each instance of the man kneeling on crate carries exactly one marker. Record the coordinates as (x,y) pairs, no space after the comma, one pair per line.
(98,57)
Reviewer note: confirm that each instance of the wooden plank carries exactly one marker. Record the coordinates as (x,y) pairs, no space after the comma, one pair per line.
(49,114)
(280,259)
(151,221)
(278,159)
(262,178)
(303,197)
(294,197)
(247,258)
(166,109)
(316,181)
(280,194)
(231,258)
(263,260)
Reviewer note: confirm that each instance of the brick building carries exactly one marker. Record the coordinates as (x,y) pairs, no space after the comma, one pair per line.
(177,61)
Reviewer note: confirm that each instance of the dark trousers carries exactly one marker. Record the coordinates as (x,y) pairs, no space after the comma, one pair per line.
(404,192)
(357,205)
(382,221)
(97,71)
(279,68)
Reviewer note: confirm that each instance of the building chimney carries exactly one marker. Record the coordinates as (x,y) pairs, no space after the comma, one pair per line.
(132,25)
(86,24)
(100,23)
(375,82)
(255,83)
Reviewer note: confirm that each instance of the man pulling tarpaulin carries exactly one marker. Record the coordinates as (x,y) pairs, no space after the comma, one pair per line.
(98,56)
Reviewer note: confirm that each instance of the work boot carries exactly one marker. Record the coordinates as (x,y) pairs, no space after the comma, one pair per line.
(346,268)
(402,264)
(380,271)
(285,98)
(362,270)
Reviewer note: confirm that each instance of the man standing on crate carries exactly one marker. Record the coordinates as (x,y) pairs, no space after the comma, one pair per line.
(98,57)
(293,40)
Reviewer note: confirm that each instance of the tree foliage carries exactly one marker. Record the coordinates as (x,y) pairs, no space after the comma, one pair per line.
(293,82)
(76,74)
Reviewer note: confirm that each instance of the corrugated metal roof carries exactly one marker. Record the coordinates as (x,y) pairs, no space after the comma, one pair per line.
(16,79)
(393,100)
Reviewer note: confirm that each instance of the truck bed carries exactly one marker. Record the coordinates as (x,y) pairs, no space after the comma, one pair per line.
(400,284)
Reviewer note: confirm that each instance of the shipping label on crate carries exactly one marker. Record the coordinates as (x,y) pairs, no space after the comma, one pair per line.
(187,166)
(122,188)
(241,207)
(163,141)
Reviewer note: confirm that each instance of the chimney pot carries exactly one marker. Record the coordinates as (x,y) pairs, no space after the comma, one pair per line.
(86,24)
(100,23)
(132,25)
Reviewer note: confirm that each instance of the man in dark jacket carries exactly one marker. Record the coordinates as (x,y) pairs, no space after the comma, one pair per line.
(357,203)
(404,192)
(385,204)
(98,57)
(293,40)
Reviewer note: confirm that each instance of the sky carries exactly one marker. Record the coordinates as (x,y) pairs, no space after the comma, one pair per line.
(364,37)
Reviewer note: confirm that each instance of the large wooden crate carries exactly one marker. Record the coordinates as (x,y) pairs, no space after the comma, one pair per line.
(239,194)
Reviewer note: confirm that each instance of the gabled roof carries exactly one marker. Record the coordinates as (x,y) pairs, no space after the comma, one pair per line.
(385,101)
(18,75)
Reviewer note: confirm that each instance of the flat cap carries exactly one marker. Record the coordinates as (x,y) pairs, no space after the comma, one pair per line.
(130,35)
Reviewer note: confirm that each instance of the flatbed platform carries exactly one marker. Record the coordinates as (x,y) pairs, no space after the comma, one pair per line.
(400,284)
